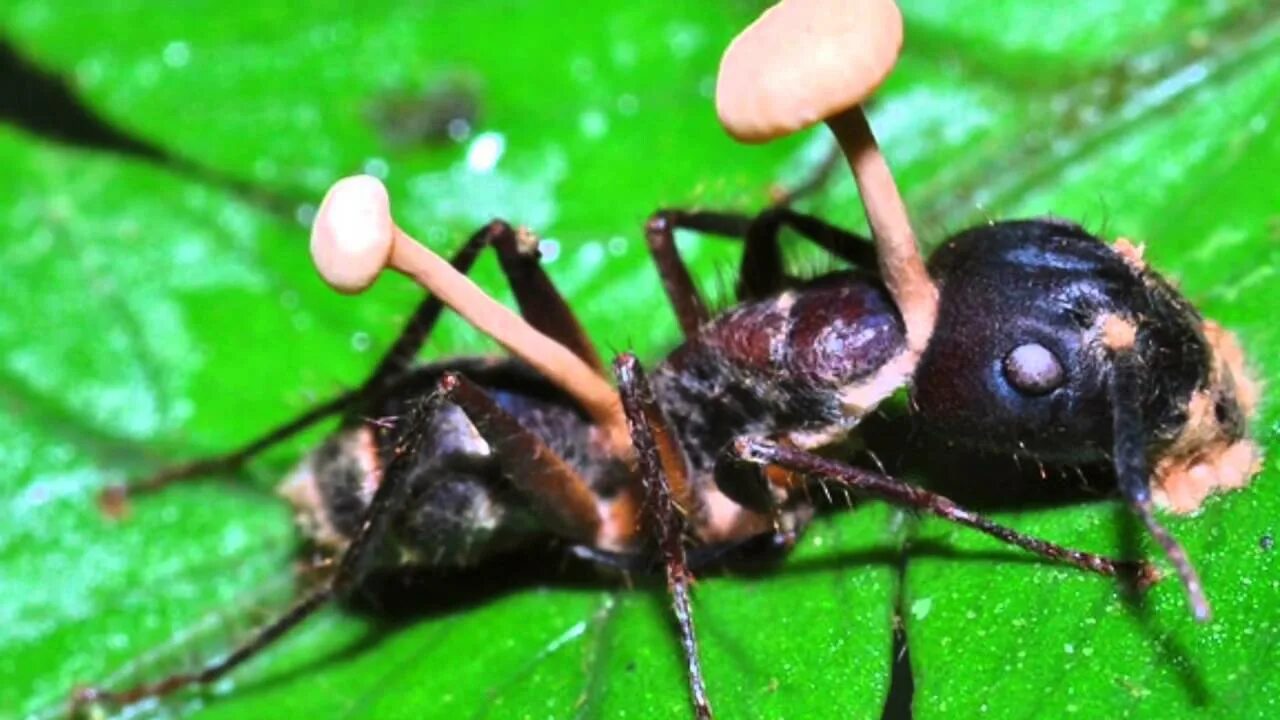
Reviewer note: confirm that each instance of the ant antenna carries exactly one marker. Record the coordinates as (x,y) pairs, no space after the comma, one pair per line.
(354,238)
(1132,472)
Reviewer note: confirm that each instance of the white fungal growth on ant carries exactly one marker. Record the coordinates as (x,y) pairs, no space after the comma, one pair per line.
(1205,458)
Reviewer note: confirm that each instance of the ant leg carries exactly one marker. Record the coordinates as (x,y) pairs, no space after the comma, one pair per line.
(851,247)
(113,499)
(663,468)
(761,271)
(556,493)
(1133,474)
(540,303)
(762,452)
(394,362)
(659,234)
(86,696)
(350,570)
(542,306)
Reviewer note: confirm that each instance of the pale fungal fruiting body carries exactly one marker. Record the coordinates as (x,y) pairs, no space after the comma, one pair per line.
(354,237)
(809,61)
(1210,454)
(804,61)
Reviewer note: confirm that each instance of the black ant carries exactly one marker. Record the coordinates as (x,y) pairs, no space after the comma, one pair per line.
(1080,354)
(1031,338)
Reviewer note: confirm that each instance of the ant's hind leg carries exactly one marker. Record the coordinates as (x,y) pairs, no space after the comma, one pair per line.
(824,471)
(665,477)
(393,364)
(541,305)
(351,568)
(114,498)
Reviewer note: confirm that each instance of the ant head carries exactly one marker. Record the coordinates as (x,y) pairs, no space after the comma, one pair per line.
(1052,344)
(1018,361)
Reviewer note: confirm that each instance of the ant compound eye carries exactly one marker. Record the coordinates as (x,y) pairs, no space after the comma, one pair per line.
(1032,369)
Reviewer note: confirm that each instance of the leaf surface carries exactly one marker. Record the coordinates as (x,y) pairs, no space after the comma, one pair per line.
(157,309)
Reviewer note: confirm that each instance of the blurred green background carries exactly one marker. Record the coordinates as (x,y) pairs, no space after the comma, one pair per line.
(158,165)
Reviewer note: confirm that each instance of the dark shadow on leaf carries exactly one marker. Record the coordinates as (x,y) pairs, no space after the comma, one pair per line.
(43,102)
(978,480)
(392,601)
(1172,653)
(902,681)
(926,548)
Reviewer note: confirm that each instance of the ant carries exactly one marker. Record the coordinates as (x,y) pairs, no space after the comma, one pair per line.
(487,456)
(1080,354)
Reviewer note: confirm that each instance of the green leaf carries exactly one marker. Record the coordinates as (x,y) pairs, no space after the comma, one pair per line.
(160,309)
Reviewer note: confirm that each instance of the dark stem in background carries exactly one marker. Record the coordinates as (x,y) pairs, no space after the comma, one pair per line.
(46,104)
(43,103)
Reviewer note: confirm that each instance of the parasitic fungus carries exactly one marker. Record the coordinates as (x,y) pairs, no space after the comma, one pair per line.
(354,237)
(805,61)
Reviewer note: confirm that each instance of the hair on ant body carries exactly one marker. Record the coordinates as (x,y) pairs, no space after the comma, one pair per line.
(1081,354)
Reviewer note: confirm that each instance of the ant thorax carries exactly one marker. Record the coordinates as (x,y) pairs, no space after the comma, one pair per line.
(783,366)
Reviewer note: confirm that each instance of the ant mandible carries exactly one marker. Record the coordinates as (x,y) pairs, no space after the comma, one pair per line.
(1080,354)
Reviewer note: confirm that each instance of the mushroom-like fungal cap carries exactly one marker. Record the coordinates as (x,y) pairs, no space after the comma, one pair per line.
(352,235)
(804,61)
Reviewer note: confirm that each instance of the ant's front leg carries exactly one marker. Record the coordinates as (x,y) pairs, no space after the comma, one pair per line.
(351,568)
(664,472)
(824,471)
